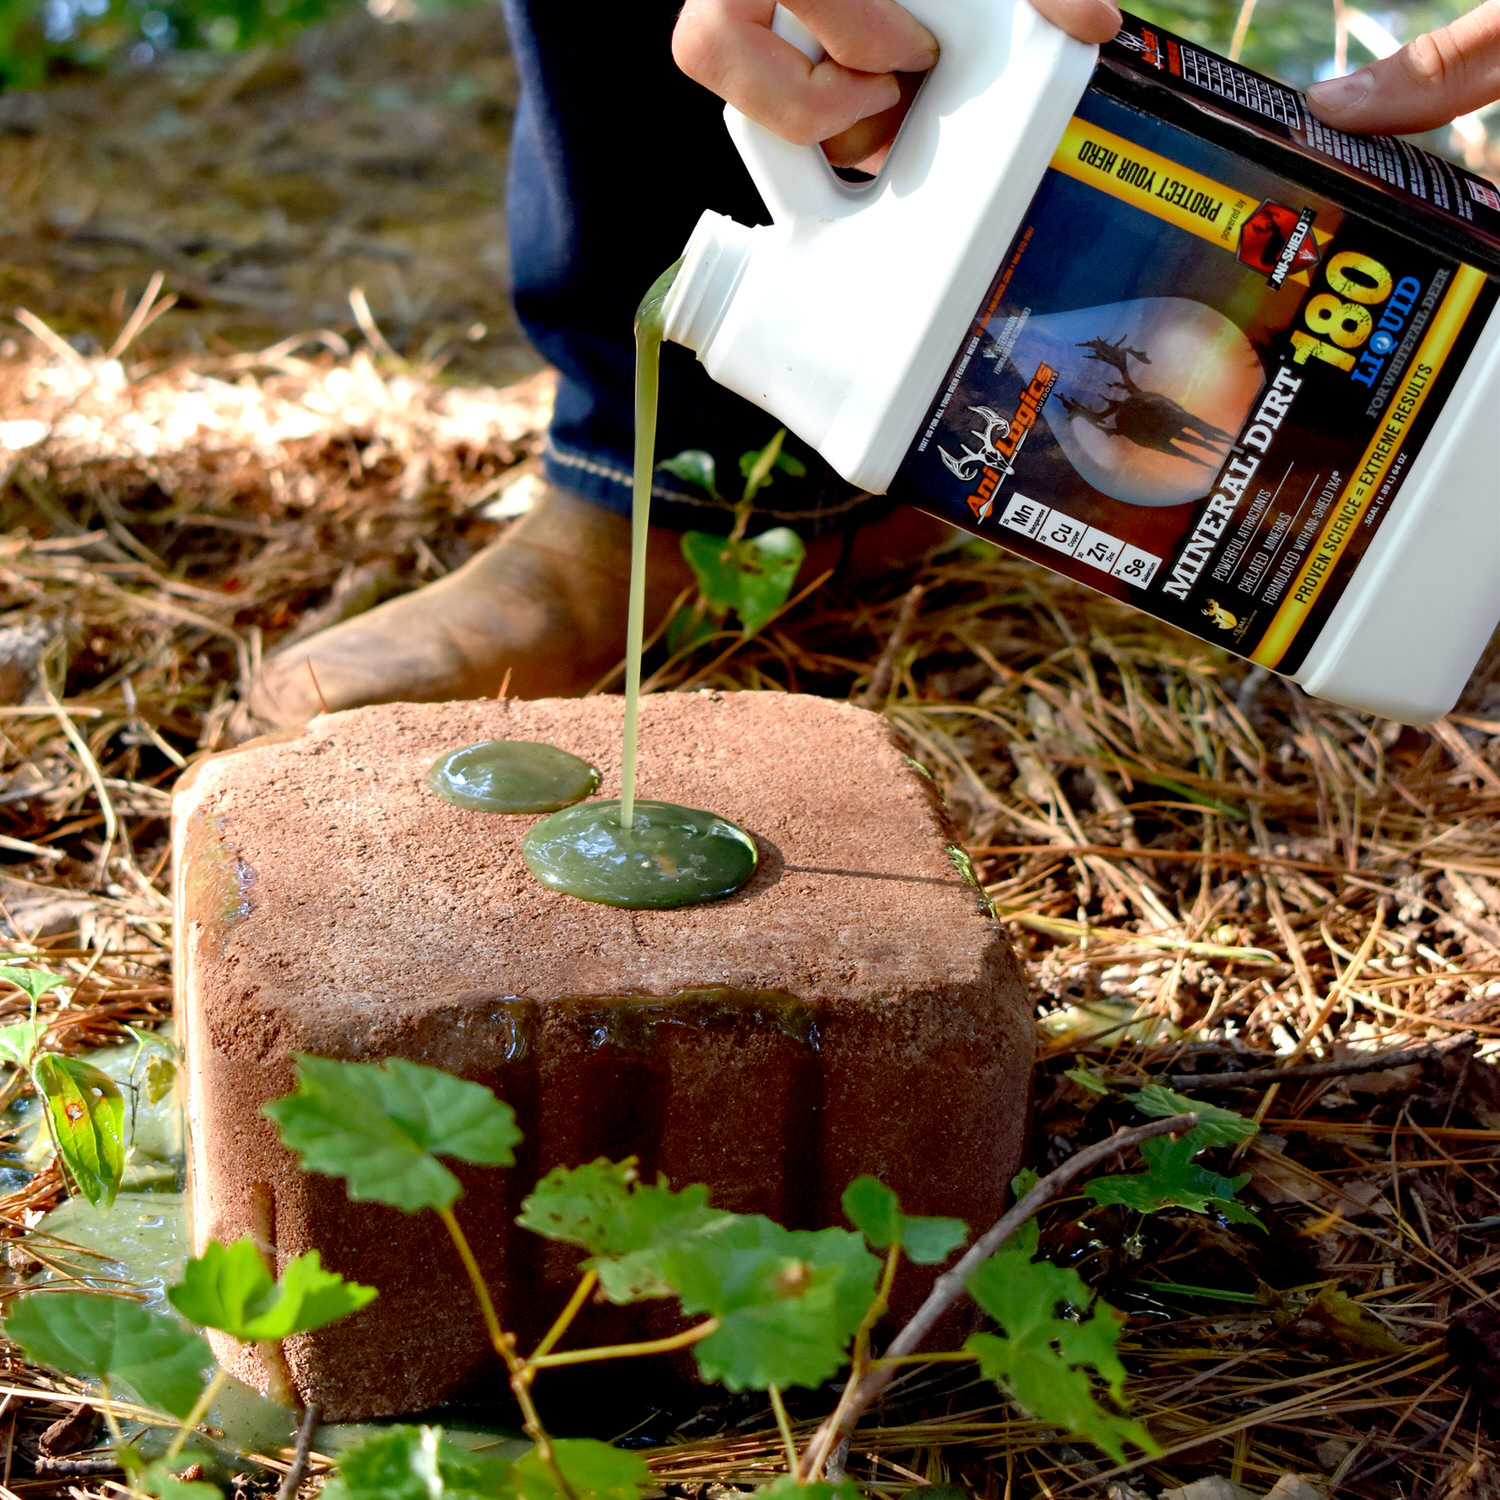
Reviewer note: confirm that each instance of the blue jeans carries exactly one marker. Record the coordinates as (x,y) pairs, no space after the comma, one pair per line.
(614,155)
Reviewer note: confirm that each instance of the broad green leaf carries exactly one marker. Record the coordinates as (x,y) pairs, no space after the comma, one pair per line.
(36,982)
(875,1211)
(1045,1361)
(788,1301)
(19,1041)
(605,1208)
(229,1288)
(785,1487)
(696,467)
(382,1126)
(109,1338)
(752,576)
(1215,1127)
(161,1076)
(418,1463)
(85,1113)
(593,1469)
(1173,1181)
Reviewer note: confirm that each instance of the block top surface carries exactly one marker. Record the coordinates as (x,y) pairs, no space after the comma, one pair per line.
(320,863)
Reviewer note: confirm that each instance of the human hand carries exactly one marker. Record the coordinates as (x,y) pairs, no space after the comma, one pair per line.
(1427,83)
(854,100)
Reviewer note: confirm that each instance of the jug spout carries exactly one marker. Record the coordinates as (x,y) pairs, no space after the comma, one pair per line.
(712,265)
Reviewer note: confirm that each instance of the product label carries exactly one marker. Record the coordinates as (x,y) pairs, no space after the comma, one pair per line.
(1194,383)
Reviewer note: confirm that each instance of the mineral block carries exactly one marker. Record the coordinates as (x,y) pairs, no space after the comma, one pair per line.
(855,1008)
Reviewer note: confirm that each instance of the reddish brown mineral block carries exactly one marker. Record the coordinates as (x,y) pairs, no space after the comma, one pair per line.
(854,1009)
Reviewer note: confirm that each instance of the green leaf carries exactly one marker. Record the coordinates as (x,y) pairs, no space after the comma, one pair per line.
(604,1208)
(1045,1361)
(696,467)
(36,982)
(161,1076)
(418,1463)
(19,1041)
(229,1288)
(875,1211)
(1173,1181)
(785,1487)
(109,1338)
(759,467)
(788,1301)
(382,1126)
(85,1113)
(1088,1080)
(752,576)
(592,1469)
(1215,1127)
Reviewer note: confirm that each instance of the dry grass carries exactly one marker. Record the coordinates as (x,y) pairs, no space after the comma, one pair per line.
(1205,870)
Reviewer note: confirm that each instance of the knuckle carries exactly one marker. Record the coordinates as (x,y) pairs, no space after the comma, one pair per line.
(693,47)
(1432,60)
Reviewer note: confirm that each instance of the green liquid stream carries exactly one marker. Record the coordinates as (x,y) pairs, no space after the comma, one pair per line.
(670,856)
(512,776)
(620,853)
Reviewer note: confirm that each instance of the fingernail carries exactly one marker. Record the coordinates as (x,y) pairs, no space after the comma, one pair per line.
(1338,94)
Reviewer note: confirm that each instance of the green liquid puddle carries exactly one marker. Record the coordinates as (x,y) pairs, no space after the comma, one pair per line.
(512,776)
(671,856)
(640,855)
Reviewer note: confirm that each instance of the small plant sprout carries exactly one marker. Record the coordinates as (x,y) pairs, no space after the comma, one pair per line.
(764,1307)
(767,1308)
(118,1342)
(750,577)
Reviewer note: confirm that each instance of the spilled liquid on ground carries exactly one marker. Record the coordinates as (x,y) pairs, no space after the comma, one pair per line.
(512,776)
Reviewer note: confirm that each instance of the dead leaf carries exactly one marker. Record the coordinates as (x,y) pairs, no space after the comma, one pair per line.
(1351,1325)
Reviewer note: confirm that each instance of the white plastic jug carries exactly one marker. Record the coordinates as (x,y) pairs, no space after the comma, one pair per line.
(1140,317)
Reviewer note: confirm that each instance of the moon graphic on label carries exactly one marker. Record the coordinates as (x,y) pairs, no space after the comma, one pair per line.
(1150,396)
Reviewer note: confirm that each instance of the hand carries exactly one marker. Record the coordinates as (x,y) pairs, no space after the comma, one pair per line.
(852,101)
(1427,83)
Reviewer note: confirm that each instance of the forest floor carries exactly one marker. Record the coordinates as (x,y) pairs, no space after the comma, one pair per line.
(1207,872)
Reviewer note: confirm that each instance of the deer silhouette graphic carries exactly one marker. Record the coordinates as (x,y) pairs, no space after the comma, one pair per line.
(1146,417)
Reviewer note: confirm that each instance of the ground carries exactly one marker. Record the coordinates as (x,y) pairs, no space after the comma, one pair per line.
(1206,871)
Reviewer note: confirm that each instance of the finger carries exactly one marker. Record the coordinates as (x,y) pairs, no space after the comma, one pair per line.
(1094,21)
(863,145)
(722,45)
(869,36)
(1427,83)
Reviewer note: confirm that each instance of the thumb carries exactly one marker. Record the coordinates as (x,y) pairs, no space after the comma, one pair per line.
(1427,83)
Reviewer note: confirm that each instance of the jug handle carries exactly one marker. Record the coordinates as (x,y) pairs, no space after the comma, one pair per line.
(796,182)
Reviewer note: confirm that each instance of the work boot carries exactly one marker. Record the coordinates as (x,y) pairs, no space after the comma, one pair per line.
(545,605)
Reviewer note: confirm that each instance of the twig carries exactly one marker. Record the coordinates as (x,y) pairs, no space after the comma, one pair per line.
(1256,1078)
(953,1284)
(76,1468)
(292,1480)
(884,674)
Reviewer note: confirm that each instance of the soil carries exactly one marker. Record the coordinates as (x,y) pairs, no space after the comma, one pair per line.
(370,155)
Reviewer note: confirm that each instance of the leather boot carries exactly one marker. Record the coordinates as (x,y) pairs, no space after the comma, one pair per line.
(546,604)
